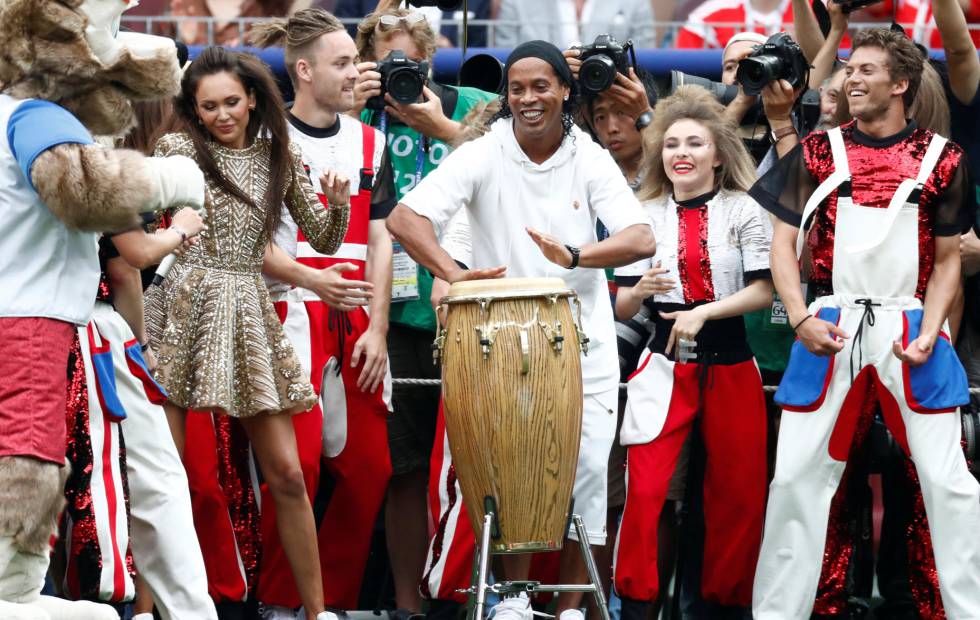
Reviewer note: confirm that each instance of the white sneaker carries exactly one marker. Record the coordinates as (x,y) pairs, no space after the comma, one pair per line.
(327,615)
(513,608)
(277,612)
(572,614)
(143,617)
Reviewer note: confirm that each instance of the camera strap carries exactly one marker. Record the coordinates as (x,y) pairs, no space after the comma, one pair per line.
(420,147)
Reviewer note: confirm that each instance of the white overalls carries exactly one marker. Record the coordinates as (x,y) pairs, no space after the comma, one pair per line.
(875,272)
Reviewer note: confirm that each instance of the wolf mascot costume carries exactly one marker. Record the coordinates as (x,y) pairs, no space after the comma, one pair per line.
(66,74)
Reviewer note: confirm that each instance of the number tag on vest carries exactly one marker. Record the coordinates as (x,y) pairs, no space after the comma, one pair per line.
(404,275)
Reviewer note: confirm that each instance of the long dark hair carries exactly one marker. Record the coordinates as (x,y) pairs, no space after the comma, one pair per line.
(153,119)
(267,118)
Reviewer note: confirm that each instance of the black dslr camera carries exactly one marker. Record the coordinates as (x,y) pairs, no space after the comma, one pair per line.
(779,58)
(402,77)
(601,61)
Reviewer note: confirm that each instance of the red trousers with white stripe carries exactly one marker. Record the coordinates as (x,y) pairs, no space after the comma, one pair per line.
(349,428)
(449,564)
(732,422)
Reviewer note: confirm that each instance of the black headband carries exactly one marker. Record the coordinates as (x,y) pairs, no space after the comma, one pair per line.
(547,52)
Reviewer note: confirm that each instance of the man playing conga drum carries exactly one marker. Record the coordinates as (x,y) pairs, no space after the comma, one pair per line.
(533,188)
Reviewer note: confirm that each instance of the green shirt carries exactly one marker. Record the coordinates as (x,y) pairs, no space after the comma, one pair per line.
(770,336)
(403,144)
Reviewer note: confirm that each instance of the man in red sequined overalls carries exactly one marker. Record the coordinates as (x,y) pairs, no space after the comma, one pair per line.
(887,201)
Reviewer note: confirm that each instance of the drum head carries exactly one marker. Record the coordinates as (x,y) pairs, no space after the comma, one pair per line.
(502,288)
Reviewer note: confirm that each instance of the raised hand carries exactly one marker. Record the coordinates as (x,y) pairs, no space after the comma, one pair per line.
(336,187)
(552,248)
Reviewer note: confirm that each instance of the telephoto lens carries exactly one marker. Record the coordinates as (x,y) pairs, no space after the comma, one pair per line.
(597,74)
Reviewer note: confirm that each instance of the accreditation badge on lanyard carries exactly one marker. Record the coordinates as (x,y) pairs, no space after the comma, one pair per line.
(777,313)
(404,275)
(404,269)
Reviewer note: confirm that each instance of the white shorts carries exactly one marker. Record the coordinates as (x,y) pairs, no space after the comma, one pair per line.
(591,475)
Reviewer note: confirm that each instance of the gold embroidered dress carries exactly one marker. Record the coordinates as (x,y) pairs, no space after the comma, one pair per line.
(217,339)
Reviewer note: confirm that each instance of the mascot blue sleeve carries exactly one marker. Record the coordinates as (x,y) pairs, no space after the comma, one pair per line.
(36,126)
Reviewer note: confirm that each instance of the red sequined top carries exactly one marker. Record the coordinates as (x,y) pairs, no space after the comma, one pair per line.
(877,167)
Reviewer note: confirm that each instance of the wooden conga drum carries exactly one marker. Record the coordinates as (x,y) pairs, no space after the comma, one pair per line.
(512,399)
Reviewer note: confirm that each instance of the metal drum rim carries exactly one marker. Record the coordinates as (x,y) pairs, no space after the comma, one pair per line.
(484,297)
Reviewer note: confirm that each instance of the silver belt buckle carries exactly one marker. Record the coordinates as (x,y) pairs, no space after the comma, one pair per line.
(685,350)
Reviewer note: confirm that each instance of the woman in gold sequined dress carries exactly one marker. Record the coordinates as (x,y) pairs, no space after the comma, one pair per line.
(218,342)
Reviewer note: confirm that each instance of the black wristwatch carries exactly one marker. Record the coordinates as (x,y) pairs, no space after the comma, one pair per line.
(643,120)
(575,254)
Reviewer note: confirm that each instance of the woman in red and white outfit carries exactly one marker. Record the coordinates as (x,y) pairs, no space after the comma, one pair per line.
(711,267)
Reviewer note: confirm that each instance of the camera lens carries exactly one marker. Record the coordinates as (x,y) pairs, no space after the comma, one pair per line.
(405,85)
(597,74)
(757,71)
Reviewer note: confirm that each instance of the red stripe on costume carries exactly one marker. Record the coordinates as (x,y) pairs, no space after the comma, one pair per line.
(118,566)
(150,387)
(693,260)
(94,350)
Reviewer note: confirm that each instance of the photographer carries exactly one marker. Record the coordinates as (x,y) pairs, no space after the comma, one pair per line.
(778,96)
(419,136)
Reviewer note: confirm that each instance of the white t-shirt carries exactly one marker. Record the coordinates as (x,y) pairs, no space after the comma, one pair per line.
(504,192)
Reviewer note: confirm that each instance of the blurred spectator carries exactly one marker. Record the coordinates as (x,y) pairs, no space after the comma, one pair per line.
(146,8)
(448,32)
(916,16)
(225,30)
(569,22)
(711,24)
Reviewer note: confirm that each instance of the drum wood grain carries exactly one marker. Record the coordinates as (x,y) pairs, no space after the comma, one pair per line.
(514,435)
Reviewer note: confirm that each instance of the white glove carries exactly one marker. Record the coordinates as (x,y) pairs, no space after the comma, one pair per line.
(178,181)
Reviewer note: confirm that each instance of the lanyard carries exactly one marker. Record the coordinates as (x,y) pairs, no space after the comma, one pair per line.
(421,146)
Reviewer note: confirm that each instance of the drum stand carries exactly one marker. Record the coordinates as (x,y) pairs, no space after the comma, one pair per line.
(480,588)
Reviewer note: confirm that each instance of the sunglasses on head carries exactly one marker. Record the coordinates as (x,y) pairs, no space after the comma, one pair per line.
(392,21)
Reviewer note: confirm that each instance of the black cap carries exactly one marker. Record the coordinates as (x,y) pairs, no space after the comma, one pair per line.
(547,52)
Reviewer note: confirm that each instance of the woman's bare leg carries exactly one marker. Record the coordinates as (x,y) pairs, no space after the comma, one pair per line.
(274,443)
(144,598)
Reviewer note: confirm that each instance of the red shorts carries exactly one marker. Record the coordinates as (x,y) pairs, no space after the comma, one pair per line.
(33,387)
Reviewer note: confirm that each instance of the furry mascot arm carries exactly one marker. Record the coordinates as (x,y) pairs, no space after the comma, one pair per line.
(92,188)
(89,187)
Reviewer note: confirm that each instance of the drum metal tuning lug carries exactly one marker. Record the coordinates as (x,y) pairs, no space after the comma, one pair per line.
(583,340)
(437,346)
(553,334)
(488,334)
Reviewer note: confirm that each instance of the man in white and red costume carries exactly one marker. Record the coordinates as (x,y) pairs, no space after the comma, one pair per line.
(888,201)
(335,311)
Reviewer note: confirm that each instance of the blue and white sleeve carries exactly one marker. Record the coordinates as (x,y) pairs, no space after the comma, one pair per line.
(36,126)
